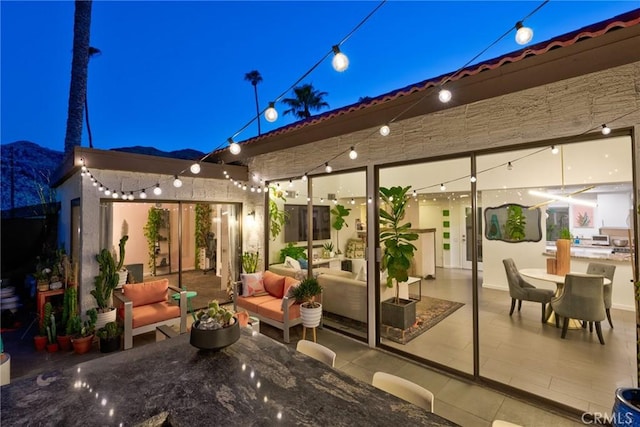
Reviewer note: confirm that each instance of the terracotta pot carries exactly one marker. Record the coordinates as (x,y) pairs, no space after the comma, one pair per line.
(52,348)
(43,285)
(82,345)
(64,341)
(40,342)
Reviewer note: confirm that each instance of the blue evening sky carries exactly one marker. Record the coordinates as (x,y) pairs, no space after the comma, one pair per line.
(171,73)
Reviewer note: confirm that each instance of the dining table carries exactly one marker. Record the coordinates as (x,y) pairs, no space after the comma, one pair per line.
(541,274)
(256,381)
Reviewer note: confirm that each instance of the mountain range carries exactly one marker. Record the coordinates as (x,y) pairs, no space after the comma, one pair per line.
(26,169)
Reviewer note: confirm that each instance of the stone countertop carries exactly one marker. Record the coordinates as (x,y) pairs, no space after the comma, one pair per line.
(600,253)
(254,382)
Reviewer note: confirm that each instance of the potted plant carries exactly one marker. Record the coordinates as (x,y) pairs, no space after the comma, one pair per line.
(397,254)
(202,228)
(52,345)
(295,252)
(250,261)
(106,281)
(109,336)
(563,252)
(215,328)
(339,212)
(516,223)
(69,310)
(310,310)
(83,333)
(327,251)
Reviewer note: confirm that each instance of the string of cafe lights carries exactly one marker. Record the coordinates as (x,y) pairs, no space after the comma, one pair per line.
(340,63)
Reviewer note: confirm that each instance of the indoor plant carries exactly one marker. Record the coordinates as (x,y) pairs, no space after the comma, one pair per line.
(106,281)
(310,310)
(328,250)
(339,213)
(202,228)
(516,222)
(69,310)
(109,336)
(397,254)
(277,217)
(563,252)
(295,252)
(215,328)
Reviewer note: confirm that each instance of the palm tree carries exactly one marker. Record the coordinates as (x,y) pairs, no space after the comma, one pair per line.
(79,65)
(254,77)
(93,51)
(307,99)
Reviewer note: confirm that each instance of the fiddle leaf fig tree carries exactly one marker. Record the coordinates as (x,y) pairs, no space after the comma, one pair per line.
(277,217)
(339,213)
(395,236)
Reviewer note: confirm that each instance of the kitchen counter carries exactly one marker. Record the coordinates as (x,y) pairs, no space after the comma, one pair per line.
(585,251)
(256,381)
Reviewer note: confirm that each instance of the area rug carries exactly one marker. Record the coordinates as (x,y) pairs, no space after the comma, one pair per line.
(429,312)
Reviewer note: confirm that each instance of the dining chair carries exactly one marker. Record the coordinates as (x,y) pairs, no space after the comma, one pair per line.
(606,270)
(317,351)
(520,289)
(582,298)
(404,389)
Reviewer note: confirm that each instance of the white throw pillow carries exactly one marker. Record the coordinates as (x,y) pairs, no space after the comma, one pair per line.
(292,263)
(362,274)
(251,284)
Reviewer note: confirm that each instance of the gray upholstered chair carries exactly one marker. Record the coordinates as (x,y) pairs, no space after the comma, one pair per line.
(520,290)
(582,298)
(607,271)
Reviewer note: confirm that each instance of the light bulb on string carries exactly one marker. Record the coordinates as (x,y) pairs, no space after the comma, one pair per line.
(95,183)
(473,179)
(253,189)
(340,61)
(100,187)
(442,187)
(606,130)
(369,200)
(384,130)
(554,149)
(271,114)
(143,194)
(328,168)
(107,192)
(177,182)
(353,202)
(523,34)
(115,195)
(304,177)
(244,187)
(509,166)
(335,201)
(234,147)
(353,154)
(259,189)
(195,168)
(444,95)
(415,193)
(92,178)
(131,197)
(290,183)
(157,191)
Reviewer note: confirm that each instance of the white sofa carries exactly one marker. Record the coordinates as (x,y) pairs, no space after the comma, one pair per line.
(284,270)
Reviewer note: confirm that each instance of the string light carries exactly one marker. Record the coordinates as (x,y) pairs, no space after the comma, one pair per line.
(95,183)
(271,114)
(509,166)
(177,182)
(369,200)
(523,34)
(107,192)
(253,189)
(473,179)
(384,130)
(143,194)
(131,197)
(234,147)
(554,149)
(115,195)
(157,191)
(195,168)
(442,187)
(304,177)
(606,130)
(353,154)
(444,96)
(340,61)
(327,167)
(100,188)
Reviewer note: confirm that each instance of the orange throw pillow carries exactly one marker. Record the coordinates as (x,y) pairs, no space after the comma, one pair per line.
(273,283)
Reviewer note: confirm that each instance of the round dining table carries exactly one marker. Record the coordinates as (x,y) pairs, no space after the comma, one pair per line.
(541,274)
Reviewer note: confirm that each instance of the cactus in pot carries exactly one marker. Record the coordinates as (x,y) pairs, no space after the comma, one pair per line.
(107,280)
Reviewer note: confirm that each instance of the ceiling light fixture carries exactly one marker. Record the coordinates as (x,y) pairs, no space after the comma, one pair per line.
(353,154)
(195,168)
(234,147)
(385,130)
(523,34)
(340,61)
(606,130)
(444,95)
(271,114)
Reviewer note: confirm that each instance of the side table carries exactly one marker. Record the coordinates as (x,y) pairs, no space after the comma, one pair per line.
(190,295)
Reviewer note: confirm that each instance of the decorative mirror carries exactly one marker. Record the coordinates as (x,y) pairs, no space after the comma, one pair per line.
(513,223)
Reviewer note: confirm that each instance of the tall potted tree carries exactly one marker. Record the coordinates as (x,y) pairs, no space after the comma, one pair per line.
(106,281)
(310,309)
(339,213)
(397,254)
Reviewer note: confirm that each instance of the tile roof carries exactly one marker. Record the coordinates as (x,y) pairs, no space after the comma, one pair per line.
(624,20)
